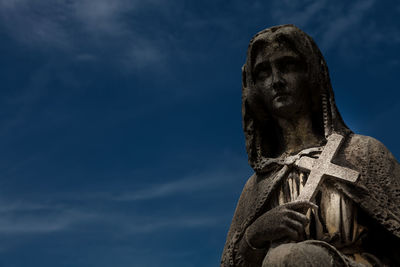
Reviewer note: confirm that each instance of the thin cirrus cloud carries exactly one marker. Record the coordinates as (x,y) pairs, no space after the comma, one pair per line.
(21,223)
(96,23)
(343,18)
(342,24)
(289,11)
(156,223)
(93,30)
(31,218)
(46,21)
(205,181)
(349,29)
(80,28)
(36,216)
(39,218)
(39,24)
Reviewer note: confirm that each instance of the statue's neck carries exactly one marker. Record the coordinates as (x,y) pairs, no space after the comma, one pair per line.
(298,134)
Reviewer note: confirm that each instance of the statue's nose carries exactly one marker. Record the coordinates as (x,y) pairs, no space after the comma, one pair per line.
(277,80)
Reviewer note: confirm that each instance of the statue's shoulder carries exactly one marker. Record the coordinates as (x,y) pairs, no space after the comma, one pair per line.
(366,143)
(368,148)
(251,183)
(363,141)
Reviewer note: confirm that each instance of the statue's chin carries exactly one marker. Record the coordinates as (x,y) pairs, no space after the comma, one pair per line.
(285,107)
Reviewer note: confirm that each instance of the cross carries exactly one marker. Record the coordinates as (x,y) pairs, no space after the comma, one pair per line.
(322,167)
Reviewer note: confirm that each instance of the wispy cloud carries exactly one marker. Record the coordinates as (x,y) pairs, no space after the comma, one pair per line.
(39,23)
(40,224)
(337,28)
(37,218)
(102,16)
(81,28)
(60,212)
(298,12)
(212,179)
(186,185)
(156,224)
(117,30)
(331,22)
(19,218)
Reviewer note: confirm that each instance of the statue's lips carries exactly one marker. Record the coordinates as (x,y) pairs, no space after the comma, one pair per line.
(281,95)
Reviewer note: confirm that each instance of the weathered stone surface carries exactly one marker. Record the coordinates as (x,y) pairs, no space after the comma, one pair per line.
(302,151)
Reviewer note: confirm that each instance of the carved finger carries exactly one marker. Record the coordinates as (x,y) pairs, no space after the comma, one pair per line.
(297,216)
(294,225)
(302,205)
(292,234)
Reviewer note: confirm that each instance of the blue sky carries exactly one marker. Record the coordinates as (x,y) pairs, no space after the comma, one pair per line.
(120,125)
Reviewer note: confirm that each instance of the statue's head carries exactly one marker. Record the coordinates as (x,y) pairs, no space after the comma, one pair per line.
(285,75)
(284,70)
(281,84)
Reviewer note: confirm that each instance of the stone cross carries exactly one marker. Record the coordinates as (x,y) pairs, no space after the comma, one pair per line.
(323,167)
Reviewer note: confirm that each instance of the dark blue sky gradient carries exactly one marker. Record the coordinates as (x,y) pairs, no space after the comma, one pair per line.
(120,121)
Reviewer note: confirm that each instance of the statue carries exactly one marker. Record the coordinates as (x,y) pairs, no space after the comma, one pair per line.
(320,195)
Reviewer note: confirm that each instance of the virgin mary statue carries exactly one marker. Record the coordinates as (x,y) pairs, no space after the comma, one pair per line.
(289,113)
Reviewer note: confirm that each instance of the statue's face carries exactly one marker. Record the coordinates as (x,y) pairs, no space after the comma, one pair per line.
(280,77)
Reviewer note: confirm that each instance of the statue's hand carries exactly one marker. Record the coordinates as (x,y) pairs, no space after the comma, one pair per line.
(283,222)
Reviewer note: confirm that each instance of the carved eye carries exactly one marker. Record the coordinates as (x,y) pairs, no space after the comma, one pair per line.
(291,65)
(262,72)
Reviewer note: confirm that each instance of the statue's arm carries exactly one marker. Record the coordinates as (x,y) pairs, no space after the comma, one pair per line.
(380,178)
(384,186)
(385,170)
(249,238)
(237,252)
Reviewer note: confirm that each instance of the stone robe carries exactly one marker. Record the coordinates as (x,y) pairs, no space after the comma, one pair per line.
(371,205)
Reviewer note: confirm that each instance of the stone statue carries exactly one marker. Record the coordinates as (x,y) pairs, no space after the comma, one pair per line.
(320,195)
